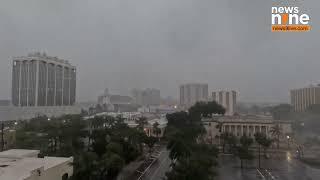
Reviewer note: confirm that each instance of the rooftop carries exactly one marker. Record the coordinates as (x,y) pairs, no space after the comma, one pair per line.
(19,153)
(43,56)
(16,164)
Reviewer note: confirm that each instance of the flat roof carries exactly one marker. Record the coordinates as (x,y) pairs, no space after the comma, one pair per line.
(20,167)
(19,153)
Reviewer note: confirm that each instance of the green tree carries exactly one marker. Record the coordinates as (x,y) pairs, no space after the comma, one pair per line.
(282,112)
(86,166)
(264,142)
(142,121)
(276,132)
(260,139)
(110,165)
(150,142)
(156,130)
(243,151)
(193,159)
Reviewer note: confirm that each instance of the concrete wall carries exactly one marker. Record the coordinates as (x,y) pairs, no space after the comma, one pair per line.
(53,173)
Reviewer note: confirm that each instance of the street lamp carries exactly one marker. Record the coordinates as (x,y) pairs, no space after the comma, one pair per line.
(288,138)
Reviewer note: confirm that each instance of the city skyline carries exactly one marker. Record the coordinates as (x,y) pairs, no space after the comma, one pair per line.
(162,45)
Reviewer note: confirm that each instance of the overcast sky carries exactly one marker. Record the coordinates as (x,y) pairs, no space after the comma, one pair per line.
(124,44)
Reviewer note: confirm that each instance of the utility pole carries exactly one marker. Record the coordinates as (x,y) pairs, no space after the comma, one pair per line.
(2,138)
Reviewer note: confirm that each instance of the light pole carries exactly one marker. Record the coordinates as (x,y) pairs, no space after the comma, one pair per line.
(288,138)
(2,136)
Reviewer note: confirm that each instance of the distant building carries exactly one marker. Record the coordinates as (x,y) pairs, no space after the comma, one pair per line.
(24,113)
(22,164)
(110,102)
(107,98)
(227,99)
(162,109)
(41,85)
(146,97)
(192,93)
(5,102)
(302,99)
(41,80)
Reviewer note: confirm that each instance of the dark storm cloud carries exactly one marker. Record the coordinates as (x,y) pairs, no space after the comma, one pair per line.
(124,44)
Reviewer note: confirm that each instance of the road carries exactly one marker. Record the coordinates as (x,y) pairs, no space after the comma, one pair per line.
(158,170)
(280,169)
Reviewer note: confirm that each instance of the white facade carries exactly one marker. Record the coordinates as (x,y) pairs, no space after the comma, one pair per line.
(302,98)
(41,80)
(243,125)
(227,99)
(192,93)
(21,164)
(162,124)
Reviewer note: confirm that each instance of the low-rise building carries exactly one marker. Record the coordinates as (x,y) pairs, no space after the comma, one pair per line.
(243,125)
(22,164)
(150,129)
(9,137)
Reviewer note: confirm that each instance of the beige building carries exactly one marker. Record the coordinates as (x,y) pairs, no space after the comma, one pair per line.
(302,98)
(21,164)
(192,93)
(243,125)
(227,99)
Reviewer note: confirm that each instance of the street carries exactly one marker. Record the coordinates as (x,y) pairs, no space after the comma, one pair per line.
(281,169)
(157,171)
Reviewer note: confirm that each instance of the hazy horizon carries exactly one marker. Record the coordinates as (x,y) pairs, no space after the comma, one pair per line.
(126,44)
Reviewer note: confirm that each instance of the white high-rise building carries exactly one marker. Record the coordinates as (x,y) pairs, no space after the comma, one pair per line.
(41,80)
(192,93)
(146,97)
(302,99)
(227,99)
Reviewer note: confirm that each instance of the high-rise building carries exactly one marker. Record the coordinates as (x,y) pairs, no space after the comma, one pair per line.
(41,80)
(192,93)
(146,97)
(227,99)
(302,99)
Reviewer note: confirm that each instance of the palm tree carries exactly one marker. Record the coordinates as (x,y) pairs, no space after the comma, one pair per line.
(276,132)
(179,149)
(259,138)
(150,142)
(243,150)
(86,166)
(156,130)
(224,138)
(142,121)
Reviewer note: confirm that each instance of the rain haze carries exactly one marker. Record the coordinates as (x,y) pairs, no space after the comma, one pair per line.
(125,44)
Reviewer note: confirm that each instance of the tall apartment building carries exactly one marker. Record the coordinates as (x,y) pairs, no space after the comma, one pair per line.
(41,80)
(227,99)
(146,97)
(301,99)
(192,93)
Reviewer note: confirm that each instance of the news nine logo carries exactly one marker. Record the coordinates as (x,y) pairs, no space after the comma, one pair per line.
(289,19)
